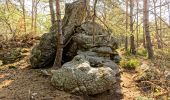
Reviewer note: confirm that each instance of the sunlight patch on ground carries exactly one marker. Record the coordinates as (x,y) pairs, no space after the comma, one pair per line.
(5,83)
(4,75)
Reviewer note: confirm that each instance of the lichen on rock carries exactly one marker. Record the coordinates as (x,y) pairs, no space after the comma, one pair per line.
(79,77)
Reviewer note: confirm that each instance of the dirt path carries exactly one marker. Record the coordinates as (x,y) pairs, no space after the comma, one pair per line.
(129,88)
(22,83)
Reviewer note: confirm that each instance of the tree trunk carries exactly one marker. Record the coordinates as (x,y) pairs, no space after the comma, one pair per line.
(94,16)
(160,32)
(23,8)
(169,12)
(22,3)
(156,26)
(35,16)
(104,12)
(132,40)
(52,11)
(146,27)
(137,28)
(32,17)
(126,39)
(58,59)
(86,3)
(144,39)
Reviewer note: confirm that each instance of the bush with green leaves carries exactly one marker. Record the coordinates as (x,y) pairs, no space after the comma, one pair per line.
(130,64)
(142,52)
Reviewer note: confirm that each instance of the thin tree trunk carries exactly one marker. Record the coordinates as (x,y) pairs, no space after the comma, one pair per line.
(160,32)
(94,16)
(104,12)
(22,3)
(58,59)
(23,8)
(52,12)
(126,39)
(169,13)
(137,31)
(144,42)
(86,3)
(132,40)
(32,17)
(146,26)
(156,26)
(35,16)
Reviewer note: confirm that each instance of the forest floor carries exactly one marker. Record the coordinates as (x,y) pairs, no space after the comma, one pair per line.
(19,82)
(22,83)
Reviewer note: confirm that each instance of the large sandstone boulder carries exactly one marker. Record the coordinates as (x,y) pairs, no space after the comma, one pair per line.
(97,61)
(88,68)
(77,76)
(84,36)
(43,54)
(82,39)
(78,35)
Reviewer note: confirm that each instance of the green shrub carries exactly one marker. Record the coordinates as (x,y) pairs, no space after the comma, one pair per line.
(127,53)
(142,52)
(131,64)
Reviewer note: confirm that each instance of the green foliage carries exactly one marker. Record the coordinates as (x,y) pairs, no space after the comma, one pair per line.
(131,64)
(127,53)
(142,52)
(9,18)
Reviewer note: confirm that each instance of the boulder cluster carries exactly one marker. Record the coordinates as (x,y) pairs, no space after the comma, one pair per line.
(88,55)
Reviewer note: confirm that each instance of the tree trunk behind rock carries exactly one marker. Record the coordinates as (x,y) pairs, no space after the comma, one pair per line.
(52,12)
(59,37)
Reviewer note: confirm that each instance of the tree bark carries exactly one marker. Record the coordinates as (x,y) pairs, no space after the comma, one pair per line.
(126,39)
(23,8)
(58,59)
(32,16)
(22,3)
(137,28)
(94,16)
(144,39)
(52,12)
(160,30)
(132,39)
(146,27)
(156,26)
(35,16)
(87,5)
(169,11)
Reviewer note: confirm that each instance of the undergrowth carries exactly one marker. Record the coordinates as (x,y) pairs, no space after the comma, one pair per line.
(130,64)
